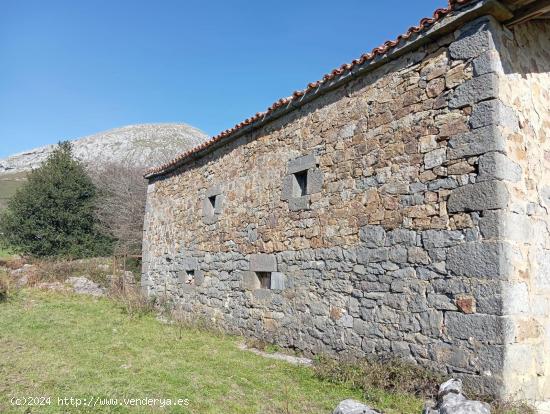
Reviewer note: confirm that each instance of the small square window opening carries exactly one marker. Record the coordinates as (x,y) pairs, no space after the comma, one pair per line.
(190,279)
(265,279)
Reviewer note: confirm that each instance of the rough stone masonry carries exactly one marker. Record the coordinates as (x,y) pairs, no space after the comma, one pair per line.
(401,210)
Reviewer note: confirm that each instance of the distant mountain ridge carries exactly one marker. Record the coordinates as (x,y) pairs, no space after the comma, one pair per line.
(146,144)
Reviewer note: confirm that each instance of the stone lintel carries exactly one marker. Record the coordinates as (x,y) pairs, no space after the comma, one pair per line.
(263,263)
(214,190)
(301,163)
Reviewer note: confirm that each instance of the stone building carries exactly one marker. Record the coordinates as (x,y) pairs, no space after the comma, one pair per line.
(397,207)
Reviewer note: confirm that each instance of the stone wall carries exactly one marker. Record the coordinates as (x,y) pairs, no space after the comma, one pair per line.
(377,210)
(524,71)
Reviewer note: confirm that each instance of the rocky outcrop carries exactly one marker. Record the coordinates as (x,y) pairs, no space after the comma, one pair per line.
(146,145)
(451,400)
(85,286)
(353,407)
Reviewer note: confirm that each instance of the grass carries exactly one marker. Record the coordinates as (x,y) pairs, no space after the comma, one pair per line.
(5,253)
(60,345)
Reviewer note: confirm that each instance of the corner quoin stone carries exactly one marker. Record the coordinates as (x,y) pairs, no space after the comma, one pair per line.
(486,260)
(501,224)
(493,112)
(496,166)
(488,328)
(486,195)
(472,43)
(486,63)
(476,142)
(475,90)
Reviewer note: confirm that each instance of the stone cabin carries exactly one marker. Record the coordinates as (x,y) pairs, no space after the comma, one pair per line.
(399,207)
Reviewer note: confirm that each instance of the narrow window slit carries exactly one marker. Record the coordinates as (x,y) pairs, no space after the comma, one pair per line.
(212,201)
(265,279)
(301,183)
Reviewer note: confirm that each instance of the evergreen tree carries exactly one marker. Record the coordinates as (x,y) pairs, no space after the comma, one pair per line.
(53,213)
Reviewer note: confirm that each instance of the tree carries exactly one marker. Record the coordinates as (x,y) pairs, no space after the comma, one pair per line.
(120,207)
(53,213)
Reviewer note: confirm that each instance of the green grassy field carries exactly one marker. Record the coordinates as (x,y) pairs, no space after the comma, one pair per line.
(9,183)
(62,346)
(4,254)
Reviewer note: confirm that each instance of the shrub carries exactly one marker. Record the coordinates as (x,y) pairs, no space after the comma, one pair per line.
(52,214)
(120,208)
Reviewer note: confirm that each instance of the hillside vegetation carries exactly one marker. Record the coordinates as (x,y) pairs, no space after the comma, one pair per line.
(53,214)
(143,146)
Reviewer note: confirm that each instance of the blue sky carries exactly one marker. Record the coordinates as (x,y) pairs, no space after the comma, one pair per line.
(73,68)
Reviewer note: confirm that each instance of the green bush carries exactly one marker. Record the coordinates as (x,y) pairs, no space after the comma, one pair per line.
(52,214)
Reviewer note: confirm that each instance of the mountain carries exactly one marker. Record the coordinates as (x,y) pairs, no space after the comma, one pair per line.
(146,145)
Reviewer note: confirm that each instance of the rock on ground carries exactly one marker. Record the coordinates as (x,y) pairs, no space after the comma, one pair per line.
(21,275)
(353,407)
(85,286)
(279,356)
(450,400)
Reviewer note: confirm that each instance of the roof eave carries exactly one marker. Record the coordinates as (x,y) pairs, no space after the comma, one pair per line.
(440,28)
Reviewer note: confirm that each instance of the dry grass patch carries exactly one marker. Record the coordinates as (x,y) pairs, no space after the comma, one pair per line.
(129,298)
(6,286)
(401,378)
(96,269)
(511,407)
